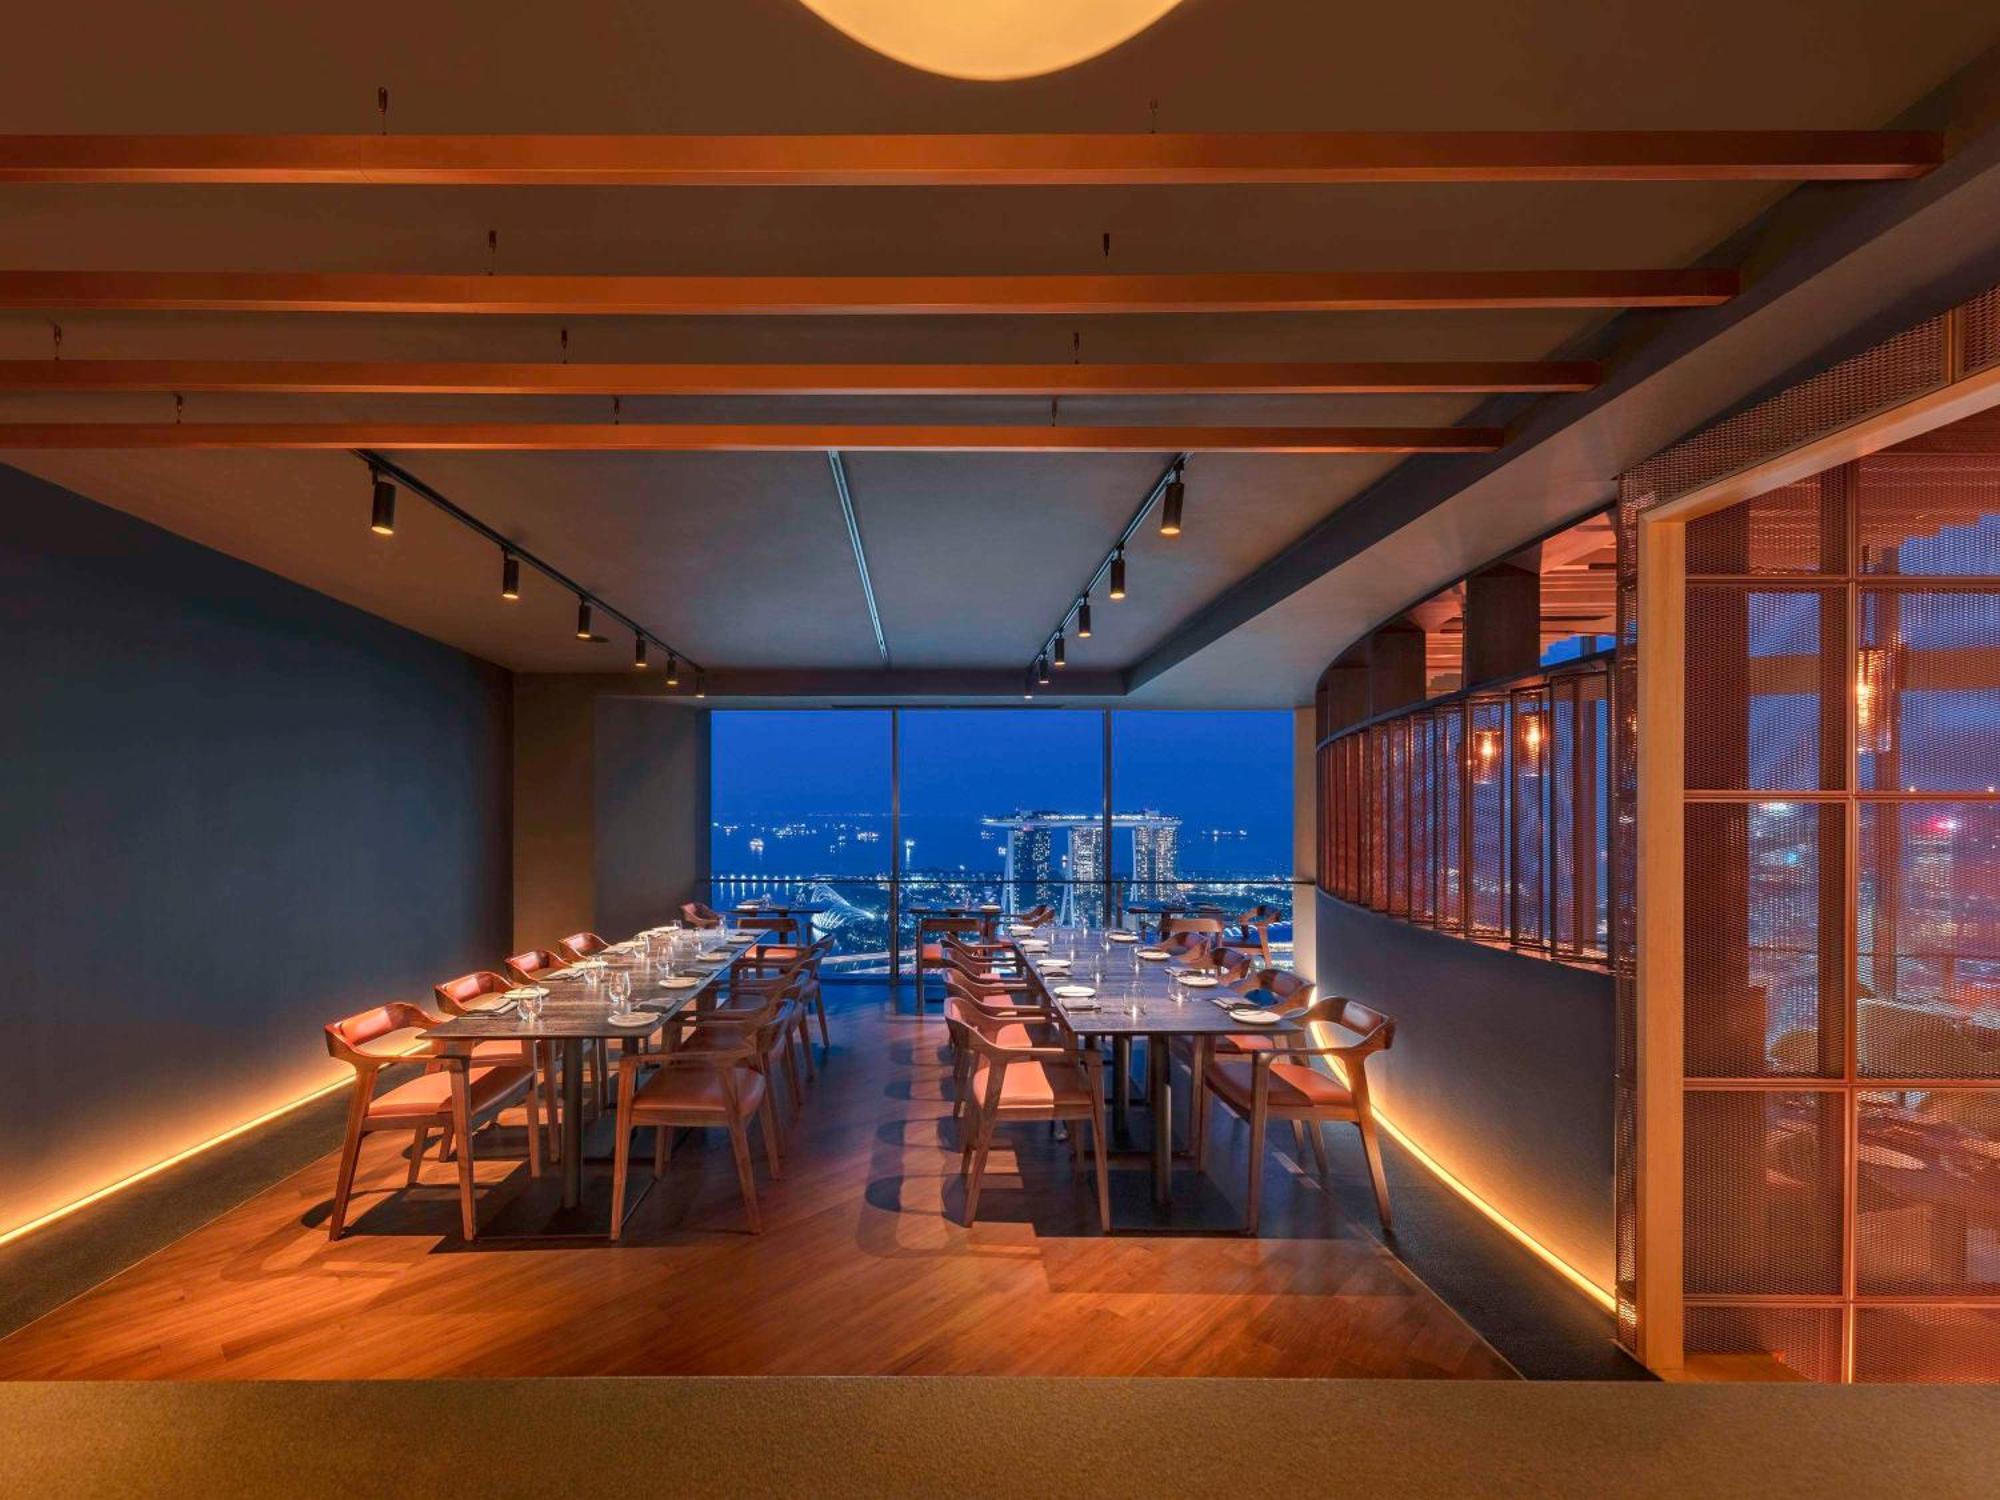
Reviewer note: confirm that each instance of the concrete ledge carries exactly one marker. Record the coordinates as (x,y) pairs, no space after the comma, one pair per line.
(1384,1440)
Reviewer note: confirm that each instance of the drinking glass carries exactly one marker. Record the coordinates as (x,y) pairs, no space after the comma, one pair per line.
(531,1006)
(618,985)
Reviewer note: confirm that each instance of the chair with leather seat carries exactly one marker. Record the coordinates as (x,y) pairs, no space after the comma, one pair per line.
(700,914)
(580,945)
(1011,1083)
(931,932)
(715,1087)
(1254,928)
(463,996)
(1001,1015)
(1262,1085)
(454,1093)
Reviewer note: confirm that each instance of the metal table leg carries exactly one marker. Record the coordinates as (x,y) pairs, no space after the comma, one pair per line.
(572,1122)
(1159,1069)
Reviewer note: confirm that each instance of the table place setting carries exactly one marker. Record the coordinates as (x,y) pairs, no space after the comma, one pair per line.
(1120,935)
(1154,955)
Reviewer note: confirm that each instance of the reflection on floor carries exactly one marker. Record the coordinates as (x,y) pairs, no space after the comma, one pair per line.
(863,1268)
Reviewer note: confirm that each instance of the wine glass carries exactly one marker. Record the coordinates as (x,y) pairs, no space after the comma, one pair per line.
(618,985)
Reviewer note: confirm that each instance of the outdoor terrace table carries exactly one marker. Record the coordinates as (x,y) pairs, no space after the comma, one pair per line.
(1146,1002)
(578,1011)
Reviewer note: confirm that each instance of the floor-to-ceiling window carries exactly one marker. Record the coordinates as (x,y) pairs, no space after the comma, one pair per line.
(802,810)
(874,815)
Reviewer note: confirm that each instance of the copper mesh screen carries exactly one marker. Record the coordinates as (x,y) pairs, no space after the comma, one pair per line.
(1982,330)
(1946,1344)
(1396,815)
(1928,951)
(1763,1192)
(1927,1193)
(1799,528)
(1486,793)
(1624,1204)
(1929,515)
(1423,820)
(1766,688)
(1532,749)
(1451,827)
(1927,689)
(1807,1339)
(1376,887)
(1764,895)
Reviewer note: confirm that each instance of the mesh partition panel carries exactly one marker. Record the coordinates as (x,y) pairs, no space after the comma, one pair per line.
(1981,325)
(1766,688)
(1944,1344)
(1625,1209)
(1763,1174)
(1927,672)
(1929,515)
(1423,820)
(1396,799)
(1566,745)
(1451,818)
(1928,950)
(1807,1339)
(1798,528)
(1927,1193)
(1765,890)
(1528,710)
(1486,797)
(1377,802)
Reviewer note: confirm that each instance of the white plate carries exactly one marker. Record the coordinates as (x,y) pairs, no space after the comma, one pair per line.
(742,937)
(1051,963)
(1123,937)
(1074,992)
(713,956)
(680,982)
(1020,932)
(1199,981)
(1154,953)
(1256,1017)
(989,906)
(1034,945)
(646,1019)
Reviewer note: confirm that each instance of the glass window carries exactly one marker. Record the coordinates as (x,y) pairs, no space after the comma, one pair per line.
(800,812)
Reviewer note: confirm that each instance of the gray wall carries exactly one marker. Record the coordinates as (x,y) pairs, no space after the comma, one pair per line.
(234,810)
(651,811)
(1501,1070)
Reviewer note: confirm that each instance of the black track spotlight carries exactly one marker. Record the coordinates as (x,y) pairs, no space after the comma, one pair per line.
(510,576)
(1061,659)
(638,653)
(1170,506)
(1117,589)
(1083,619)
(383,521)
(583,631)
(1028,688)
(1042,670)
(673,670)
(700,683)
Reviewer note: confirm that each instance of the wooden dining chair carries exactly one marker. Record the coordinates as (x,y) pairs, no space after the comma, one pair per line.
(1261,1085)
(782,929)
(717,1086)
(453,1093)
(1177,934)
(1254,928)
(1012,1083)
(580,945)
(1005,1017)
(462,997)
(931,932)
(525,966)
(762,1013)
(698,914)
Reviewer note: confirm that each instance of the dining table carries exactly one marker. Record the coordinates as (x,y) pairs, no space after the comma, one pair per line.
(1154,1000)
(577,1009)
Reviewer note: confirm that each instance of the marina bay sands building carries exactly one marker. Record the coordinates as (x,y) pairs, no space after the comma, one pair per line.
(1073,881)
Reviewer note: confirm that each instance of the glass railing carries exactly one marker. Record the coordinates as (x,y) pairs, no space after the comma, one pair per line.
(858,912)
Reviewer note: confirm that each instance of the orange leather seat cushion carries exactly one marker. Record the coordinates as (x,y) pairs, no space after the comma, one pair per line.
(1034,1086)
(933,953)
(682,1091)
(1293,1085)
(428,1096)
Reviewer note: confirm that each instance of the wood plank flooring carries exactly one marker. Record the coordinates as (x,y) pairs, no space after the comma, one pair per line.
(863,1268)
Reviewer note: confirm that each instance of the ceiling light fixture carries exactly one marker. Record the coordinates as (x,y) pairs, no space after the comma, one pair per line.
(1170,504)
(1042,670)
(583,631)
(700,683)
(1117,589)
(639,653)
(383,520)
(673,669)
(1060,658)
(510,576)
(1083,618)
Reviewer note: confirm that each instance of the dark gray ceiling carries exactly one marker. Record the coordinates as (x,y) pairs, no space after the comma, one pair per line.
(743,559)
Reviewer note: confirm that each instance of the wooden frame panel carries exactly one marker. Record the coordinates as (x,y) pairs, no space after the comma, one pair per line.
(976,160)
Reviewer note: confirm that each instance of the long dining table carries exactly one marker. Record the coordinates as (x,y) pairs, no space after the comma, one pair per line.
(1141,998)
(576,1010)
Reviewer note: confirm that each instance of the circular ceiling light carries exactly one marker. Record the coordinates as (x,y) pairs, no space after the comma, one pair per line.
(990,40)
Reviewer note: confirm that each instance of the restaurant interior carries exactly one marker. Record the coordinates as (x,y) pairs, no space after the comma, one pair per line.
(1041,745)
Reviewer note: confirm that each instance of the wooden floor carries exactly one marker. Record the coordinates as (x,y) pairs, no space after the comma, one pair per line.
(863,1268)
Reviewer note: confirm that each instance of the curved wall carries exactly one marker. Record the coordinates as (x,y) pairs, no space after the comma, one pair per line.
(1501,1070)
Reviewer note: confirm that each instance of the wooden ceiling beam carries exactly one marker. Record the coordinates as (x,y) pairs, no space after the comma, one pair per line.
(976,160)
(637,437)
(670,296)
(360,377)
